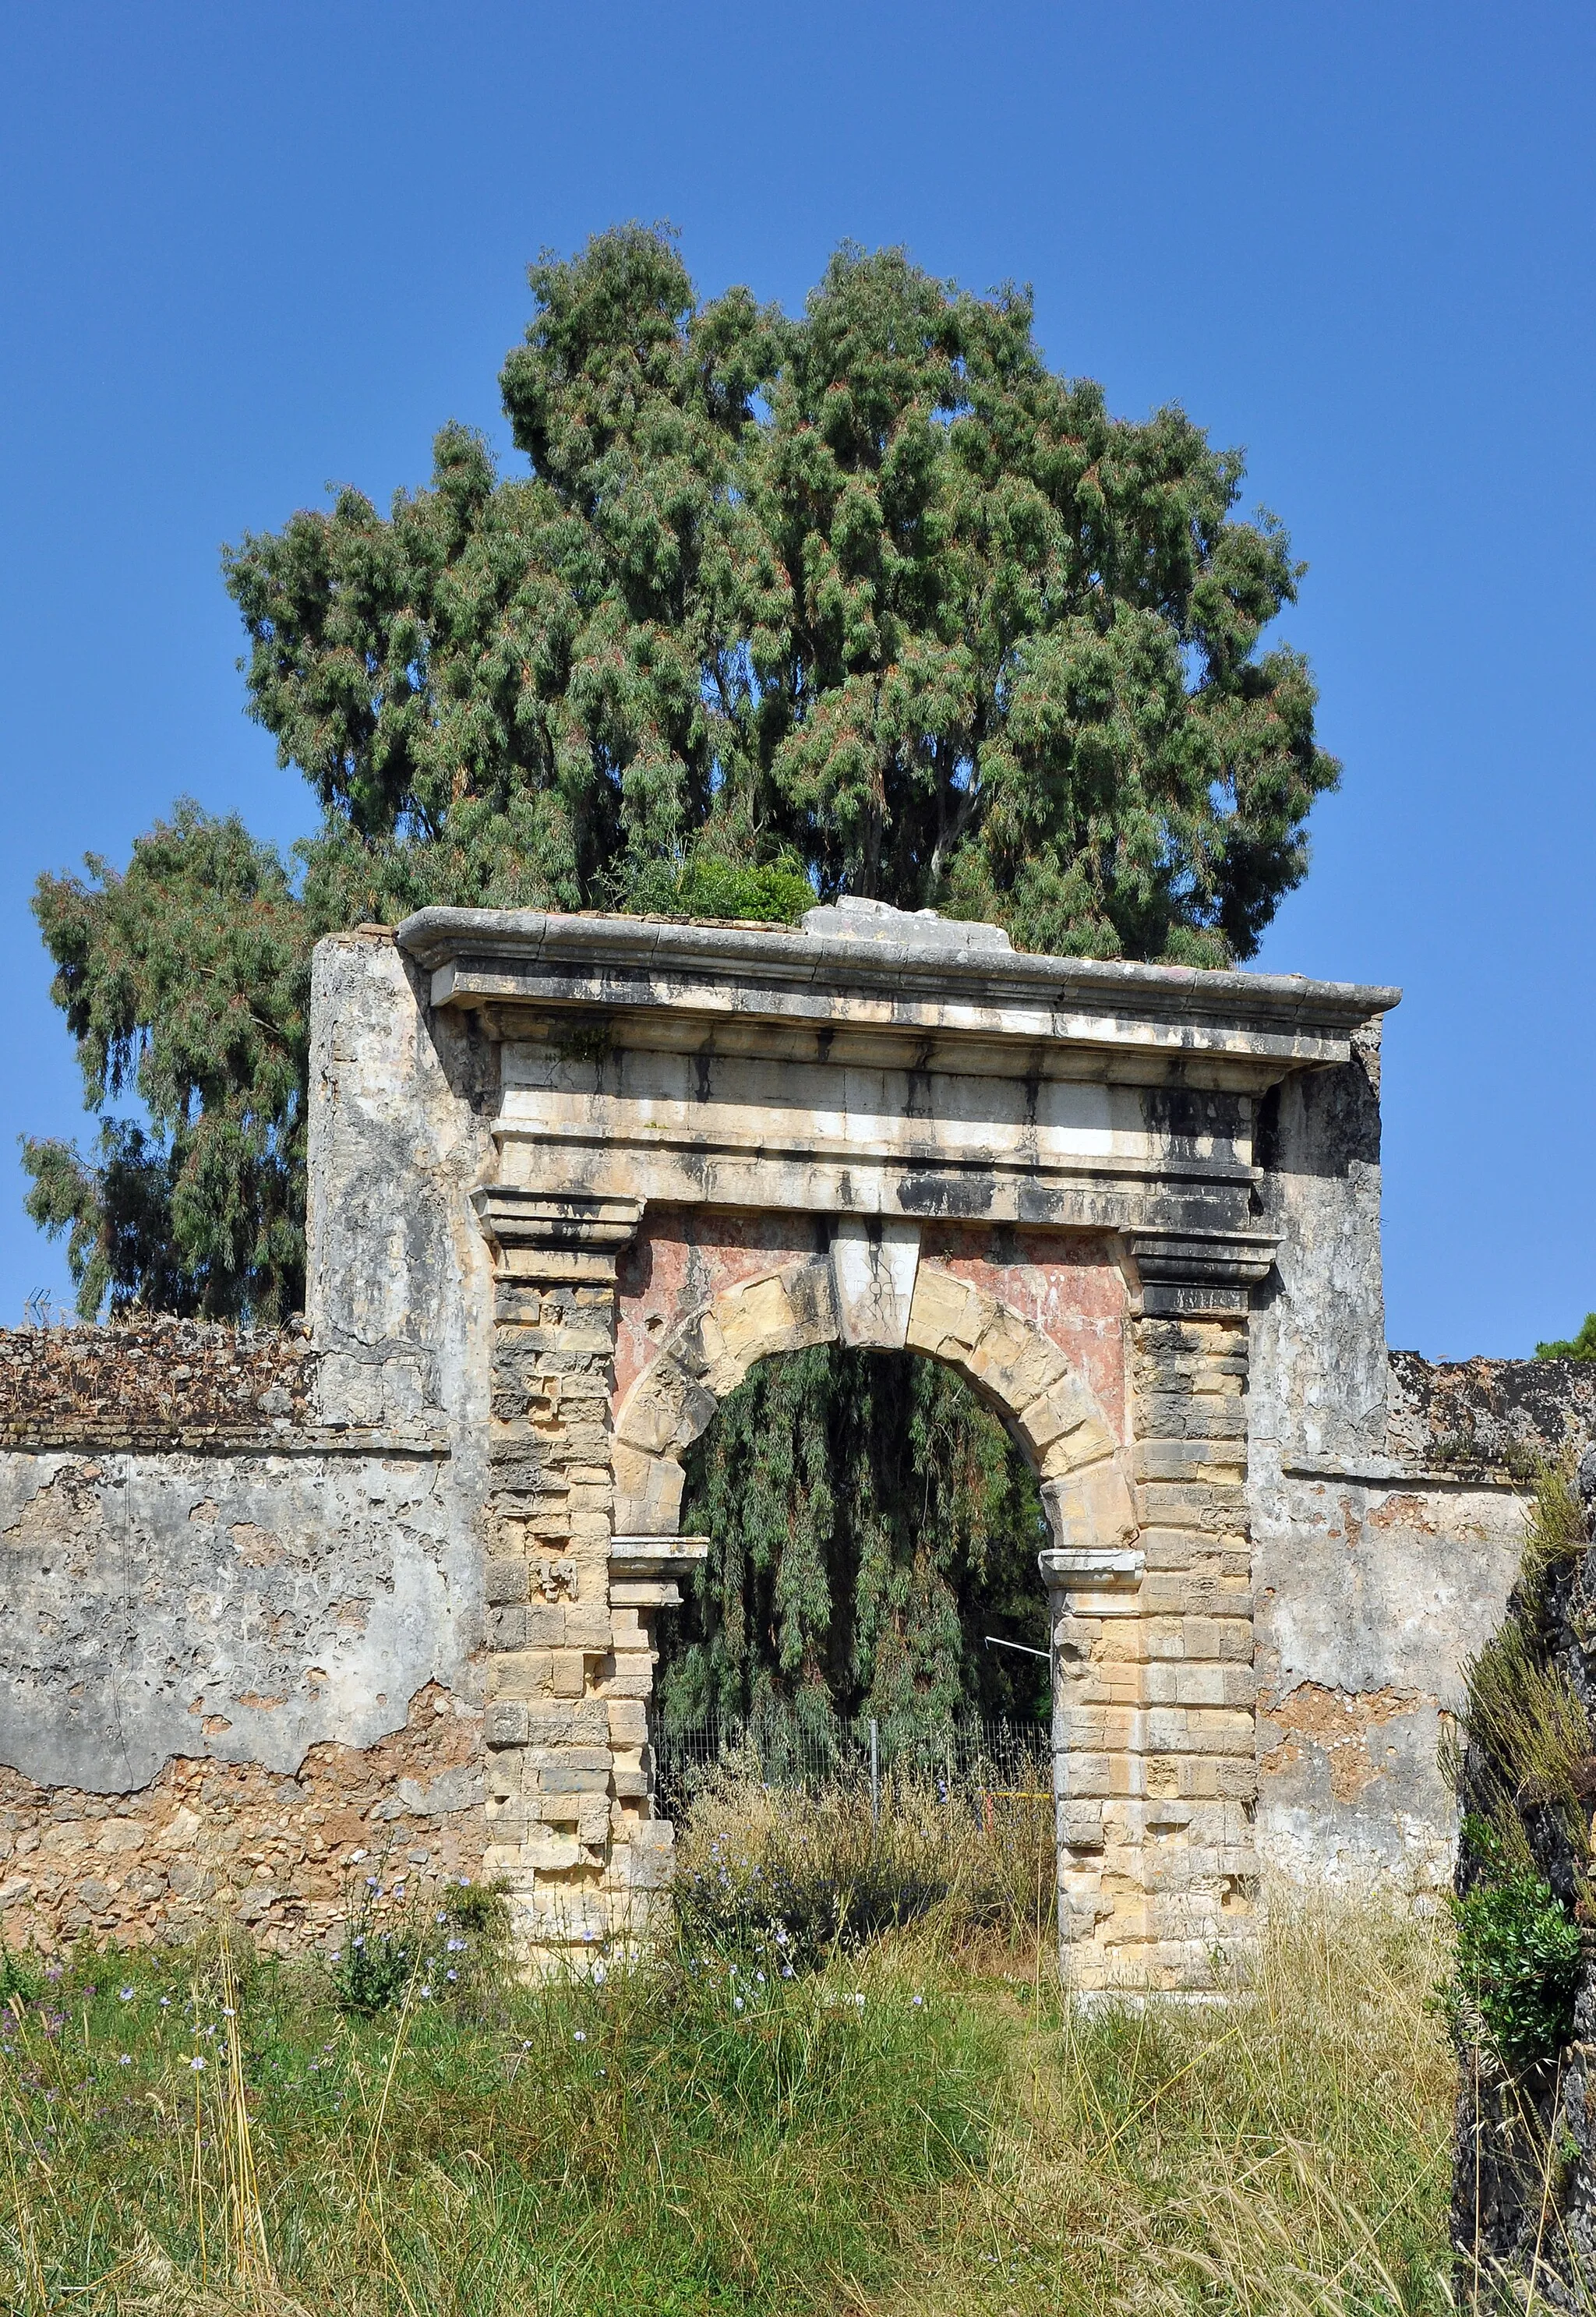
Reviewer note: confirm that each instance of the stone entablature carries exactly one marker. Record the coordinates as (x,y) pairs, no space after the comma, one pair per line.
(569,1177)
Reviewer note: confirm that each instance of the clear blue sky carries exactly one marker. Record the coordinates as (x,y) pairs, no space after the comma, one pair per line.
(250,251)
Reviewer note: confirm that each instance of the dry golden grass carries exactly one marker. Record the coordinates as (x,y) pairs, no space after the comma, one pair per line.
(1286,2151)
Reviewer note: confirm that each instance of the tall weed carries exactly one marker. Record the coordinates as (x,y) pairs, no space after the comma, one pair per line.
(928,2127)
(798,1878)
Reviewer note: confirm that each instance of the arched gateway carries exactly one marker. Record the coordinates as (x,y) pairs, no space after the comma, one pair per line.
(702,1145)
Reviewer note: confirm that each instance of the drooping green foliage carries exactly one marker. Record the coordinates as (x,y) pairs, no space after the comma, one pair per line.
(1582,1346)
(187,982)
(871,1523)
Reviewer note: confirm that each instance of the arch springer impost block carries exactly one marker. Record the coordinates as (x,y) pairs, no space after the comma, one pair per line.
(1077,1568)
(1197,1273)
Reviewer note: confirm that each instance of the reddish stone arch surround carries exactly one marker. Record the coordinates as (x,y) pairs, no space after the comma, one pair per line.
(1038,1323)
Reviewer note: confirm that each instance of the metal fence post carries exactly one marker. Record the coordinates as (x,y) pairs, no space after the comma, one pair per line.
(875,1773)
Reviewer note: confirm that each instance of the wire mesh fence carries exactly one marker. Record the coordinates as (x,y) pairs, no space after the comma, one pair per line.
(999,1768)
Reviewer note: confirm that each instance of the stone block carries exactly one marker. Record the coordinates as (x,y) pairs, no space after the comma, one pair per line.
(631,1675)
(1080,1826)
(1092,1506)
(551,1854)
(755,1318)
(569,1674)
(506,1724)
(552,1725)
(588,1628)
(567,1778)
(590,1722)
(627,1722)
(520,1674)
(1084,1444)
(647,1495)
(873,1267)
(945,1317)
(506,1580)
(636,1868)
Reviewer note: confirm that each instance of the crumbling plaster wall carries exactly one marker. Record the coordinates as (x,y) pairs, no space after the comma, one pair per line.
(1371,1595)
(241,1610)
(1388,1498)
(242,1617)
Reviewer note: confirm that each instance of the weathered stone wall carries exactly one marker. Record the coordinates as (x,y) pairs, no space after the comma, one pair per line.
(1379,1575)
(389,1579)
(1371,1595)
(282,1849)
(1482,1415)
(241,1574)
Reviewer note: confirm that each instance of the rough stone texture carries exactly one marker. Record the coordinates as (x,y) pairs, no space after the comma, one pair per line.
(1503,1414)
(856,919)
(154,1382)
(155,1862)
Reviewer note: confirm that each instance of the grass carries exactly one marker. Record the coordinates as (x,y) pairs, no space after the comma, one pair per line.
(926,2124)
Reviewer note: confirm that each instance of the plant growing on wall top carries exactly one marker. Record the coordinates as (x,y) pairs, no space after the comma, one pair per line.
(1582,1346)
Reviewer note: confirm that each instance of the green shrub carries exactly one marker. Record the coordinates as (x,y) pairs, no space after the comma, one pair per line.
(1517,1958)
(705,886)
(22,1976)
(1582,1346)
(431,1943)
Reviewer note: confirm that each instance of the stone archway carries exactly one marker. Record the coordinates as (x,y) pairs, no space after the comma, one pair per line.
(888,1126)
(871,1290)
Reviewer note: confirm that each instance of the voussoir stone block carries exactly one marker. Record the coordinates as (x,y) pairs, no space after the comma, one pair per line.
(946,1317)
(1091,1506)
(1066,1414)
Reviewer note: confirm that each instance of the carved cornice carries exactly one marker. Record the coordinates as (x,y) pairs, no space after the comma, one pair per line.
(1199,1274)
(541,1235)
(1260,1025)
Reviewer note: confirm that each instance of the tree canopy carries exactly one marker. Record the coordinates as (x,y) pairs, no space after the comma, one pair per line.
(1582,1346)
(872,594)
(866,599)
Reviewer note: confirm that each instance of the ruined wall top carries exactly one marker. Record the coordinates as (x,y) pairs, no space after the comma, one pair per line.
(151,1382)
